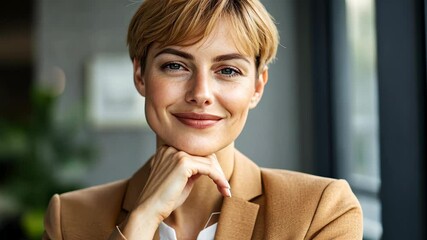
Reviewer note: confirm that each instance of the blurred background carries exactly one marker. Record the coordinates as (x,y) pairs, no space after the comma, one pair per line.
(346,99)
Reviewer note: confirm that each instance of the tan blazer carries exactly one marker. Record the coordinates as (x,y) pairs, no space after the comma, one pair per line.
(266,204)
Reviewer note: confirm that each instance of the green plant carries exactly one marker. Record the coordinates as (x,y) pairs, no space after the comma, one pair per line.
(39,158)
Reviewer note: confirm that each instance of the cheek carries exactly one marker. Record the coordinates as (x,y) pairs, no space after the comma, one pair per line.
(236,99)
(159,95)
(160,91)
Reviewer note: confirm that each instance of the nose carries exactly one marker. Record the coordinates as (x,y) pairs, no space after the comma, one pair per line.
(200,90)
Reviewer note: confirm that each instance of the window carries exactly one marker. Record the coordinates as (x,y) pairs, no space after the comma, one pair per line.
(355,108)
(369,108)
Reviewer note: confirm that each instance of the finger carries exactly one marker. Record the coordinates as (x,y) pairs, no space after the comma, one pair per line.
(226,192)
(214,160)
(208,169)
(157,156)
(162,153)
(215,164)
(203,166)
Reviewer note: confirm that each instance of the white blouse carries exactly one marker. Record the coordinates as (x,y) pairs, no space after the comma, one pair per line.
(168,233)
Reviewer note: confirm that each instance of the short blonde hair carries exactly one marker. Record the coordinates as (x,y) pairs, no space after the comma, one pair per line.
(185,22)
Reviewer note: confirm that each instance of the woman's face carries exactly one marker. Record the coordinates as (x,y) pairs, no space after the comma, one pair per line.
(197,97)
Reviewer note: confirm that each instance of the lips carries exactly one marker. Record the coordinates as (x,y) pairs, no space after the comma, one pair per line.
(198,120)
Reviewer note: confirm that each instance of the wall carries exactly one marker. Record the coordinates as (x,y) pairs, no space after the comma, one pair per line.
(68,33)
(271,134)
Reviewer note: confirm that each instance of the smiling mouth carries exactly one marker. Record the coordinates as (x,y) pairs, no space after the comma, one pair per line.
(198,120)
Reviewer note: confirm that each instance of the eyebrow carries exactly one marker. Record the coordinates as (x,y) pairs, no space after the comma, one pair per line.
(185,55)
(230,56)
(175,52)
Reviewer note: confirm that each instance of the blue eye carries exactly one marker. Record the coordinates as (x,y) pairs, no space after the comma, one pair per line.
(230,72)
(172,66)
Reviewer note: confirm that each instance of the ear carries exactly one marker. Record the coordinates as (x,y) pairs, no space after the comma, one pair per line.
(138,79)
(260,83)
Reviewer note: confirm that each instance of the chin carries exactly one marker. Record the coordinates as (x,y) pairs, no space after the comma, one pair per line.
(197,150)
(196,147)
(193,144)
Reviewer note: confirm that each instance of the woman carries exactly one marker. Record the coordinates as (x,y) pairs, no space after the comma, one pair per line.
(201,66)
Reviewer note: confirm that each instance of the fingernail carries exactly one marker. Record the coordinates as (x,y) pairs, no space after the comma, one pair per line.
(228,192)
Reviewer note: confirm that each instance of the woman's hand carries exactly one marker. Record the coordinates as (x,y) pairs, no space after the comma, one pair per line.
(171,179)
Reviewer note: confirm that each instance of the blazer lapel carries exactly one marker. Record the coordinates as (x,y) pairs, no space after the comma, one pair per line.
(238,214)
(237,219)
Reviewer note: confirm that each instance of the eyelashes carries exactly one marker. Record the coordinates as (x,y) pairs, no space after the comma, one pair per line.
(225,71)
(230,72)
(173,66)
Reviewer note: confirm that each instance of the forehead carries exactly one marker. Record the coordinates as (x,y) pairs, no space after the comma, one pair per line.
(223,38)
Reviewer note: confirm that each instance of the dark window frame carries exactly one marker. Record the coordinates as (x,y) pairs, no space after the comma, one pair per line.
(402,105)
(402,91)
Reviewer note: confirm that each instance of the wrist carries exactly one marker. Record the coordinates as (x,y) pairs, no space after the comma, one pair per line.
(141,223)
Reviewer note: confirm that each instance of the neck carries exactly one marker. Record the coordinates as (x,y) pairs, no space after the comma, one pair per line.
(204,199)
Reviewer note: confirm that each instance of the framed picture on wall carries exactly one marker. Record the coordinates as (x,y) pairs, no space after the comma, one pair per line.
(112,100)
